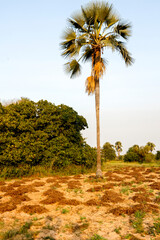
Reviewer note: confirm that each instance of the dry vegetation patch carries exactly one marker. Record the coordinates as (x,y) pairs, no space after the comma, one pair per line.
(95,189)
(139,189)
(53,196)
(118,211)
(38,184)
(20,191)
(92,202)
(31,209)
(7,206)
(74,184)
(2,183)
(141,198)
(155,185)
(111,197)
(72,202)
(56,185)
(51,180)
(6,188)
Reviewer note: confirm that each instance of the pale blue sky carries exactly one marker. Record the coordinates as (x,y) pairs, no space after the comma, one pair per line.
(31,66)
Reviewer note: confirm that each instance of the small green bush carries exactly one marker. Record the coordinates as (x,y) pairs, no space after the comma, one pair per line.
(97,237)
(108,152)
(157,155)
(131,157)
(149,157)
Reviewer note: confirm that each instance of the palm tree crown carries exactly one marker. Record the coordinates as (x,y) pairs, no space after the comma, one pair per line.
(95,28)
(151,146)
(118,147)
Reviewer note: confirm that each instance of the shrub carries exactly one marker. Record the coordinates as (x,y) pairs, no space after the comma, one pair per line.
(149,157)
(121,158)
(108,152)
(158,155)
(131,157)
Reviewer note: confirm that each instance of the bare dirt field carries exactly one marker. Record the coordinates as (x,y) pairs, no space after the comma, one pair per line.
(123,205)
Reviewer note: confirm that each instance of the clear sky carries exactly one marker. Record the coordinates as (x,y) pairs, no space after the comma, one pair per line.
(31,66)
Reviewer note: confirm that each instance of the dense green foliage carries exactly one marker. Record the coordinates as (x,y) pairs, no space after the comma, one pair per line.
(131,157)
(158,155)
(108,152)
(41,133)
(139,154)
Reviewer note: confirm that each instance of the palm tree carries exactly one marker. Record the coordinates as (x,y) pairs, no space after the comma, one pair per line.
(151,146)
(118,147)
(92,30)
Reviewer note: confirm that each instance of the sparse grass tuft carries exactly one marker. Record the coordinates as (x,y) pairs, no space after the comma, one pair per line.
(23,231)
(49,227)
(117,230)
(157,227)
(97,237)
(64,211)
(48,238)
(137,223)
(9,234)
(82,218)
(125,190)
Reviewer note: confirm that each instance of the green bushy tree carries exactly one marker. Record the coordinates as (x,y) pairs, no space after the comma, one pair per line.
(158,155)
(42,134)
(108,152)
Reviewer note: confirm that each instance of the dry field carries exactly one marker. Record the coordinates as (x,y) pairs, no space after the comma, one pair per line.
(123,205)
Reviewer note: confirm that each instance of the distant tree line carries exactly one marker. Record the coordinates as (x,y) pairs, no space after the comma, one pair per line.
(135,153)
(141,154)
(41,133)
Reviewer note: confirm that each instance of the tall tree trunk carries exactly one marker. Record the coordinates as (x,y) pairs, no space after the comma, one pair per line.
(97,103)
(118,153)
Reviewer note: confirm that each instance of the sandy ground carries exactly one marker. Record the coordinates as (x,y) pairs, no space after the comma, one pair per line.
(123,205)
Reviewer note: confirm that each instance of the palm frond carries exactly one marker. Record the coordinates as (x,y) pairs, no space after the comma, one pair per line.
(78,19)
(113,42)
(69,44)
(72,43)
(86,17)
(69,35)
(73,67)
(124,30)
(90,85)
(110,18)
(105,62)
(110,41)
(77,24)
(82,39)
(87,54)
(124,53)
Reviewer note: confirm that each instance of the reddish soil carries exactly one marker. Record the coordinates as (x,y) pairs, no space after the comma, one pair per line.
(80,206)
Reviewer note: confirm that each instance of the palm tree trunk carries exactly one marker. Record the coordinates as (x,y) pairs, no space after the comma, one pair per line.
(118,153)
(97,103)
